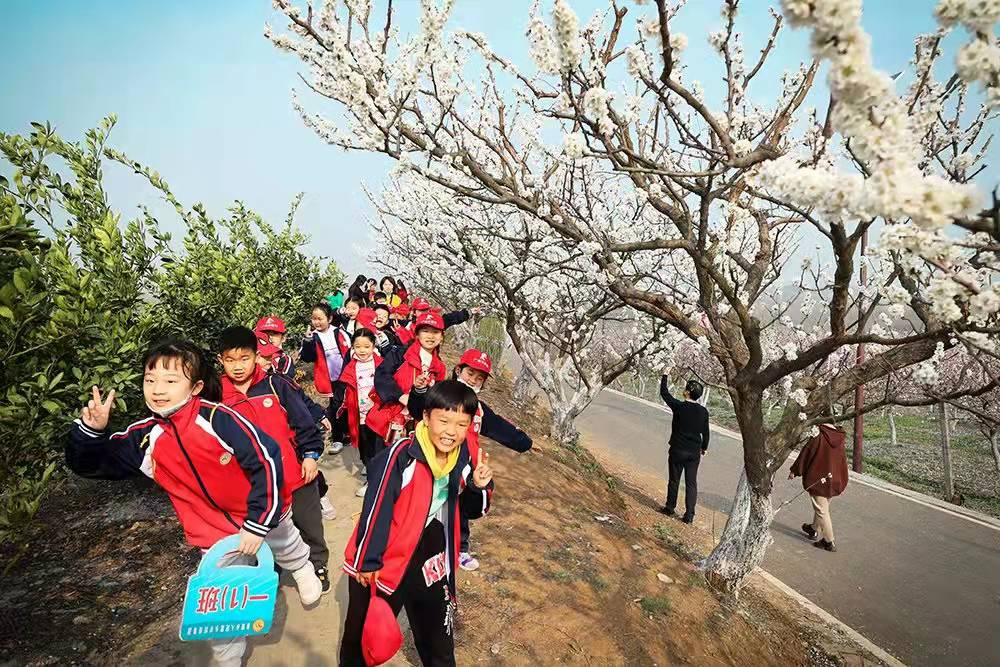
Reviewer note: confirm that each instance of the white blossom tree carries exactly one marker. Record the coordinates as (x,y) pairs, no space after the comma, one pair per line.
(572,336)
(729,188)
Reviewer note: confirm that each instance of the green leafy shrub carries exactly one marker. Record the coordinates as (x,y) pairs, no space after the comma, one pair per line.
(83,295)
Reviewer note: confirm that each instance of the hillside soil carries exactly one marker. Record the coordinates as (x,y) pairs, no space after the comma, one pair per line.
(577,568)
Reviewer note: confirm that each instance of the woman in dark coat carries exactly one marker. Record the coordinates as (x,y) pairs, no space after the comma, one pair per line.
(822,465)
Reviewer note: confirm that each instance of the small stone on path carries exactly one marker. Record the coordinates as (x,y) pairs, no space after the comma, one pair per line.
(664,578)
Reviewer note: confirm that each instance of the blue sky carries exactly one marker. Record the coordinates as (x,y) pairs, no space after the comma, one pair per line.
(203,97)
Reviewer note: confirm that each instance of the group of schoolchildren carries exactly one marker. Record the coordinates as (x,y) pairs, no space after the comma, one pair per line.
(238,451)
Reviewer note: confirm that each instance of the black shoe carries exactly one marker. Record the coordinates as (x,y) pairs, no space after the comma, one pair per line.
(809,531)
(824,544)
(324,578)
(666,510)
(687,519)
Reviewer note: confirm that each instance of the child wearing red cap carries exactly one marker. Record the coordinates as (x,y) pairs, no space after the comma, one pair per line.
(267,352)
(400,317)
(271,402)
(274,331)
(403,549)
(473,369)
(405,375)
(421,305)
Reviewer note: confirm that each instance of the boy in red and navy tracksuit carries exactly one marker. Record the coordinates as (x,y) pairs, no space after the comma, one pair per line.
(272,402)
(273,329)
(473,369)
(406,540)
(223,475)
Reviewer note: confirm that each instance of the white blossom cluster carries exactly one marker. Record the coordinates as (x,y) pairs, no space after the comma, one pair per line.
(870,113)
(462,252)
(567,34)
(977,61)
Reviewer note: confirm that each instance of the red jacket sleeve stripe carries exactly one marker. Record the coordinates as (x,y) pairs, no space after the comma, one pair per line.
(365,522)
(273,505)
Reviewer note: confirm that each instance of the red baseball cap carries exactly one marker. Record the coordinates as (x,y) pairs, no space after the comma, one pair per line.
(366,318)
(420,303)
(402,310)
(270,323)
(265,347)
(429,318)
(380,638)
(477,359)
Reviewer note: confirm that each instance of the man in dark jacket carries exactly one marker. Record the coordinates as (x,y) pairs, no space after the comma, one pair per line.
(689,434)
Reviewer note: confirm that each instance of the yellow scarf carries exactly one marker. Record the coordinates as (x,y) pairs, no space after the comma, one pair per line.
(430,453)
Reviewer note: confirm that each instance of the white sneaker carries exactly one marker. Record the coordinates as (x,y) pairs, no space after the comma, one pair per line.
(327,509)
(308,584)
(362,491)
(467,561)
(336,447)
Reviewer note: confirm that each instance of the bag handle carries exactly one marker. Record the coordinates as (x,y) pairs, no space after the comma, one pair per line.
(373,584)
(265,559)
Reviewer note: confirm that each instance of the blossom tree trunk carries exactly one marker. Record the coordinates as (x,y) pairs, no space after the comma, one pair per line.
(744,540)
(995,448)
(521,391)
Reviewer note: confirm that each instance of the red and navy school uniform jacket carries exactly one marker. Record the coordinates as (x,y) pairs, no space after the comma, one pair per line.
(394,514)
(272,404)
(345,398)
(312,352)
(220,471)
(317,411)
(393,378)
(282,363)
(393,336)
(489,424)
(404,334)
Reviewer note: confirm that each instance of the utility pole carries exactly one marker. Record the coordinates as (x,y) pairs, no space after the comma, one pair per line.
(946,470)
(857,459)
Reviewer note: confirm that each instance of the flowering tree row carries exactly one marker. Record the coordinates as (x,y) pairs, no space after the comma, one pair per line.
(726,190)
(572,336)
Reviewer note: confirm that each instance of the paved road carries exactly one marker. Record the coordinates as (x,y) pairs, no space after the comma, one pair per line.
(921,583)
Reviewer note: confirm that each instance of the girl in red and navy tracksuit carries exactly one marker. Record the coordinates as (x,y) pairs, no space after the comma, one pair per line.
(473,370)
(327,346)
(223,475)
(405,543)
(403,374)
(352,394)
